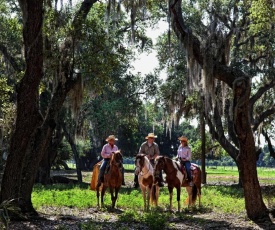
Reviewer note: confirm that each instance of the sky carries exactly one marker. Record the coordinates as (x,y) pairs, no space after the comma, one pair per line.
(147,62)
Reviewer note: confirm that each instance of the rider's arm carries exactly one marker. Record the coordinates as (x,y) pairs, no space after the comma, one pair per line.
(188,155)
(156,152)
(142,149)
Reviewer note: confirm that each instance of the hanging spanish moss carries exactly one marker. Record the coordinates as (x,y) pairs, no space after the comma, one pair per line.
(134,7)
(75,97)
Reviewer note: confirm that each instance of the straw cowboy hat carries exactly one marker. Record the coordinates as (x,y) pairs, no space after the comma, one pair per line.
(183,138)
(111,137)
(151,135)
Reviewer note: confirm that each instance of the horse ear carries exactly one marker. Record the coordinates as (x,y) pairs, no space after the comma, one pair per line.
(120,152)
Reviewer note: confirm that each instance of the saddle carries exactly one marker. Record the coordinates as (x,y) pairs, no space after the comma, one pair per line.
(193,168)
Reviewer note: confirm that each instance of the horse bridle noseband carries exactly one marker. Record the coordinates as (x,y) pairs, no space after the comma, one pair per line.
(142,169)
(157,172)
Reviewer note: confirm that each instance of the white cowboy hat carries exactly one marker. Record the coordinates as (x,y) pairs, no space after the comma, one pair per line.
(151,135)
(183,138)
(111,137)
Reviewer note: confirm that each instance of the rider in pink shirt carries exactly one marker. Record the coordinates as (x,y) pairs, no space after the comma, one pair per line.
(106,153)
(184,154)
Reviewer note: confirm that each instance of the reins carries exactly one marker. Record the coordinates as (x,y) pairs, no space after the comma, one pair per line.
(148,170)
(174,169)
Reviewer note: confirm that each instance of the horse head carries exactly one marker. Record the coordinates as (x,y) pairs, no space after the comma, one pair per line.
(140,162)
(116,159)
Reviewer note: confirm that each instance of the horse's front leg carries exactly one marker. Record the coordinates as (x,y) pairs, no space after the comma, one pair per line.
(171,196)
(189,192)
(116,194)
(148,197)
(97,195)
(102,195)
(178,197)
(112,197)
(143,190)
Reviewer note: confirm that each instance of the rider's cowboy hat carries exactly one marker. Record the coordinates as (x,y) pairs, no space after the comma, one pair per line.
(183,138)
(111,137)
(151,135)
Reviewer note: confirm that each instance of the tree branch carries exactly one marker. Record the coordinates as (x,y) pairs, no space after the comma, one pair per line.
(227,146)
(269,144)
(11,59)
(263,116)
(260,92)
(221,72)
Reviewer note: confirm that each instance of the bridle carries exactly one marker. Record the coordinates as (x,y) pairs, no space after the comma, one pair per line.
(115,163)
(141,171)
(157,172)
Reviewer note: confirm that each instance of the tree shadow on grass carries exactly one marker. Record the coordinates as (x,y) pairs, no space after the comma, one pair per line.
(230,190)
(133,219)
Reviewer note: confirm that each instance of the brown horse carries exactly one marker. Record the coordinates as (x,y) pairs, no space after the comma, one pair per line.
(175,178)
(113,179)
(145,173)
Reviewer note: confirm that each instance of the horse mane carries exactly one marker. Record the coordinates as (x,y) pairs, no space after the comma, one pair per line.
(113,156)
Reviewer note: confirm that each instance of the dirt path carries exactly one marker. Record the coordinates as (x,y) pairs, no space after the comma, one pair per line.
(93,219)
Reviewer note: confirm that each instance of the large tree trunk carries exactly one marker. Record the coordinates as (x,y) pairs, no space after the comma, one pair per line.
(75,153)
(240,84)
(32,136)
(49,157)
(28,116)
(247,158)
(40,143)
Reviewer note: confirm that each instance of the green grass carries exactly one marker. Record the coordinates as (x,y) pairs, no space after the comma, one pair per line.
(231,175)
(217,198)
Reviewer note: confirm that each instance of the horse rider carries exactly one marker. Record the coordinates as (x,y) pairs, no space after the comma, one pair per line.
(184,154)
(106,153)
(151,149)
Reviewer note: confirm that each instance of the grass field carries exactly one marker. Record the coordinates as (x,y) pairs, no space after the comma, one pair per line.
(222,205)
(230,174)
(219,198)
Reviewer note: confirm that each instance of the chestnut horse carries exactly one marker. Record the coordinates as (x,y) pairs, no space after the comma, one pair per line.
(145,172)
(175,178)
(112,179)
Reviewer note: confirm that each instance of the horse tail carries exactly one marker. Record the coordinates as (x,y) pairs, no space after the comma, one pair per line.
(154,196)
(194,194)
(94,177)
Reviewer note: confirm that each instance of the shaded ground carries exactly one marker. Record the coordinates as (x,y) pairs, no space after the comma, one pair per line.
(66,218)
(89,219)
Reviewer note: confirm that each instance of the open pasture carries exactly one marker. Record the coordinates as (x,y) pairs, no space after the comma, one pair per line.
(222,206)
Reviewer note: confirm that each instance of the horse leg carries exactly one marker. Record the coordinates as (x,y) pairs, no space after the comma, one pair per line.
(189,192)
(171,196)
(157,195)
(178,197)
(102,195)
(112,197)
(143,189)
(97,195)
(148,197)
(116,194)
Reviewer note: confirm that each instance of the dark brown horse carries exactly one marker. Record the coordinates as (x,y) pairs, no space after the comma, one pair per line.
(175,178)
(145,172)
(113,179)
